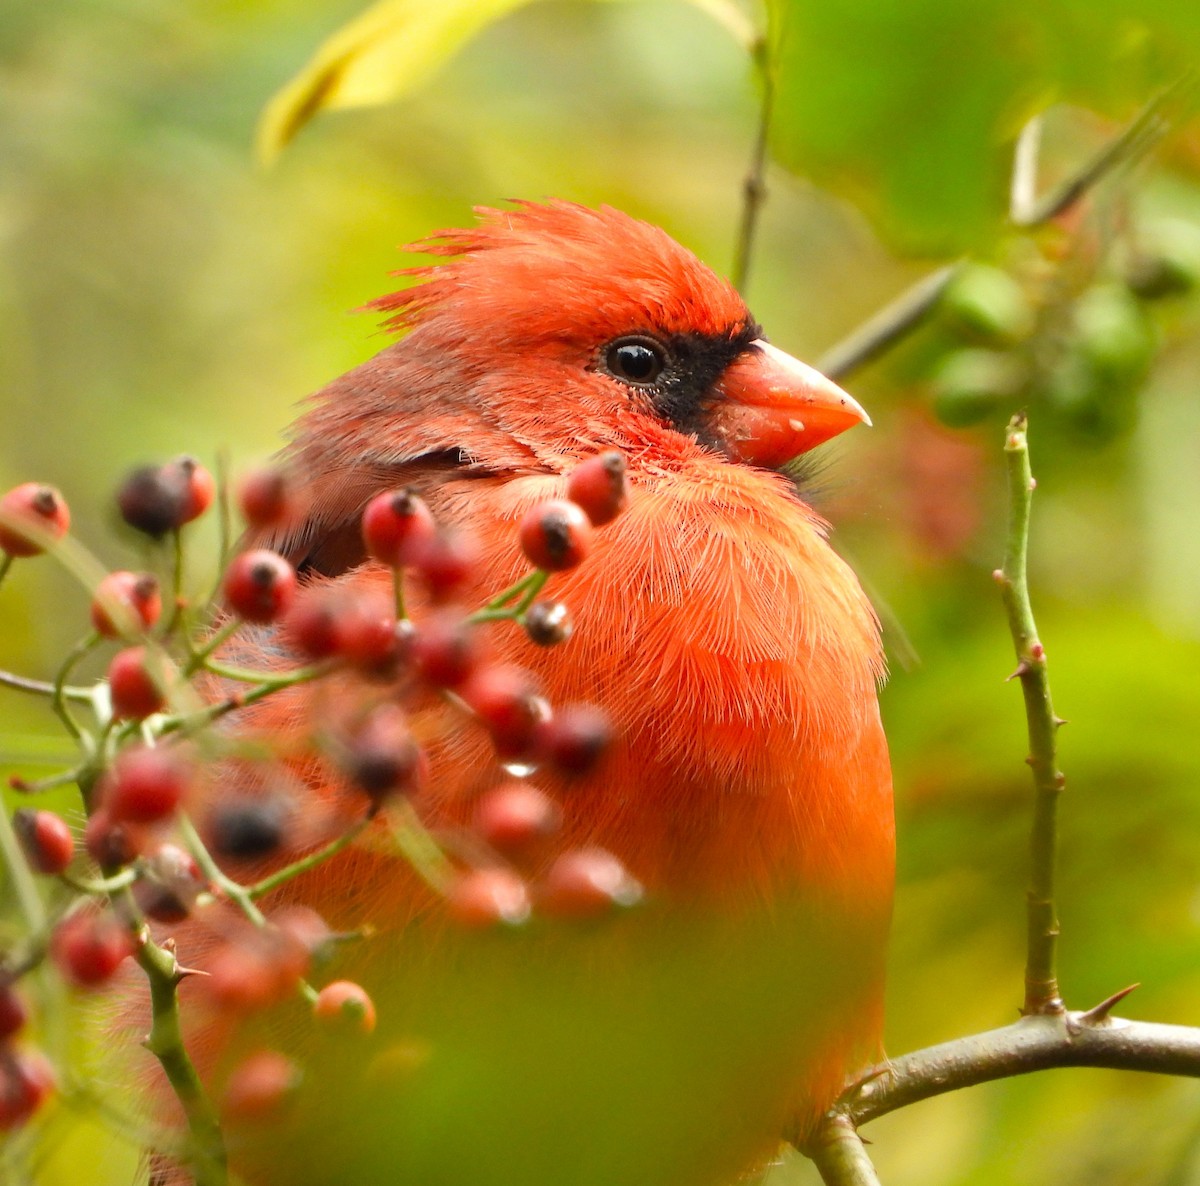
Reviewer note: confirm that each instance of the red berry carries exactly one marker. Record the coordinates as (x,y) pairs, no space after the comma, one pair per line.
(373,640)
(396,526)
(262,967)
(315,621)
(260,1088)
(548,623)
(484,897)
(263,497)
(512,818)
(259,585)
(88,948)
(26,1079)
(447,649)
(146,784)
(13,1013)
(152,499)
(382,757)
(506,700)
(575,738)
(555,535)
(31,515)
(586,882)
(126,603)
(249,975)
(345,1007)
(303,934)
(199,488)
(169,885)
(446,562)
(45,838)
(242,978)
(137,682)
(247,827)
(110,844)
(599,487)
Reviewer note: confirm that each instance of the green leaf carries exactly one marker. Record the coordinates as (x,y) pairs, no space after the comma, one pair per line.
(911,107)
(395,47)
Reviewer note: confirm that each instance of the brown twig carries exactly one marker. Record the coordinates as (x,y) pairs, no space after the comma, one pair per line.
(1139,137)
(1038,1042)
(887,326)
(839,1154)
(754,184)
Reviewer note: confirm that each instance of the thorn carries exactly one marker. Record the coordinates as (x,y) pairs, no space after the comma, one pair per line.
(1032,485)
(870,1075)
(18,783)
(1100,1012)
(1022,669)
(182,973)
(998,576)
(1058,722)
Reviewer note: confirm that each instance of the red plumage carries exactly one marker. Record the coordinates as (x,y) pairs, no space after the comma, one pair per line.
(748,787)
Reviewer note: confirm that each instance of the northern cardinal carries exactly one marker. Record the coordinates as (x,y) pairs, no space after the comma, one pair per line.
(748,788)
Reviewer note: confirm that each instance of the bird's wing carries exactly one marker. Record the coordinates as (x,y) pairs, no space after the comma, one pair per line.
(325,534)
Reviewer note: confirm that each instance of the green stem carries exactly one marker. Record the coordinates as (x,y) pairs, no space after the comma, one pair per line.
(176,583)
(398,593)
(199,658)
(276,879)
(509,594)
(41,687)
(165,1042)
(224,529)
(271,682)
(233,890)
(100,885)
(37,786)
(420,849)
(58,698)
(21,876)
(524,592)
(1042,993)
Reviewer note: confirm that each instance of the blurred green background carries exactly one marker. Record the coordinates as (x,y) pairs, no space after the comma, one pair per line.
(162,292)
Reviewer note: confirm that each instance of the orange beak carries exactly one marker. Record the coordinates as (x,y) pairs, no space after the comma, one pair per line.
(774,407)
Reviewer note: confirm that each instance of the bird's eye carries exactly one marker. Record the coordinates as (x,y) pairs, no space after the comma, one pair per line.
(638,361)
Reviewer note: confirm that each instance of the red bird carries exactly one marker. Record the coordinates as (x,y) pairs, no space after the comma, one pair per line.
(748,787)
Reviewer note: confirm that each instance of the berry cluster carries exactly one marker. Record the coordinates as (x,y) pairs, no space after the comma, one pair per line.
(161,843)
(1063,321)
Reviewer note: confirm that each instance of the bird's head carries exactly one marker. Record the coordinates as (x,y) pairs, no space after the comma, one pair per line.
(544,334)
(595,325)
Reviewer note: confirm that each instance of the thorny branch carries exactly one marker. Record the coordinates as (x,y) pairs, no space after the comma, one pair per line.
(1048,1035)
(1041,979)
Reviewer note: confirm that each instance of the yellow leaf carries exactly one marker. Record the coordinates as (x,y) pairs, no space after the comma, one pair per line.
(395,47)
(388,51)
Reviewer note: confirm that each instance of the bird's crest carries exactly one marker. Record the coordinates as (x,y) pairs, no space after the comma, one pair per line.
(566,254)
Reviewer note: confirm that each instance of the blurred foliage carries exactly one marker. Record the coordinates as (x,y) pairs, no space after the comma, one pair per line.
(160,292)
